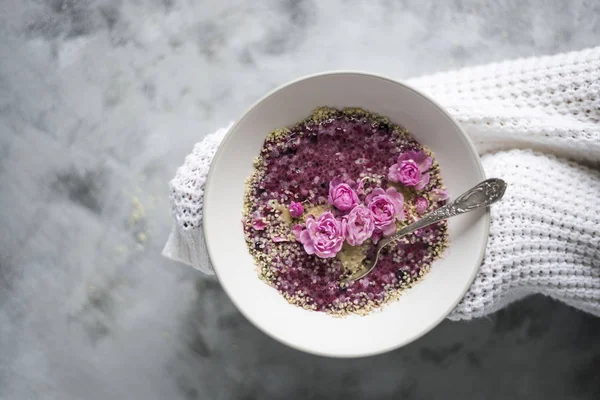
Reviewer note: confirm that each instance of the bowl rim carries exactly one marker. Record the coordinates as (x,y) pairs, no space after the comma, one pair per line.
(220,152)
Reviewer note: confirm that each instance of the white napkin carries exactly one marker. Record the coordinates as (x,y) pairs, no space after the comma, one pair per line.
(536,124)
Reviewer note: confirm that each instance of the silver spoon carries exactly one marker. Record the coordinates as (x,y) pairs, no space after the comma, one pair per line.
(482,195)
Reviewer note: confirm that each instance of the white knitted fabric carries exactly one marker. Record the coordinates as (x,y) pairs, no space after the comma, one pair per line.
(536,123)
(186,242)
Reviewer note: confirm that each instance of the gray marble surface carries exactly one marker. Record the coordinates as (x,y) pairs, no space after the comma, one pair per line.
(99,103)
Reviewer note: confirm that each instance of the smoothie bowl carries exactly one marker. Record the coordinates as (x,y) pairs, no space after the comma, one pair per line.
(308,181)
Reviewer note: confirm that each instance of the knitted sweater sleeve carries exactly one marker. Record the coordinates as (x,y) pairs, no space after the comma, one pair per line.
(549,104)
(543,235)
(536,124)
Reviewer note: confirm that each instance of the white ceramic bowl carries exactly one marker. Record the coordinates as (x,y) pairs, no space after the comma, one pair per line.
(421,308)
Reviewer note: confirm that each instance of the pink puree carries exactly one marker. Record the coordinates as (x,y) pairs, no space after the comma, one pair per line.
(300,170)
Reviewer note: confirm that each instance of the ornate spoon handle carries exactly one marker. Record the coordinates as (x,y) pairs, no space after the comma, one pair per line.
(484,194)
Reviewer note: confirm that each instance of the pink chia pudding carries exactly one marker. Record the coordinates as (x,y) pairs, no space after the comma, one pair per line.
(324,192)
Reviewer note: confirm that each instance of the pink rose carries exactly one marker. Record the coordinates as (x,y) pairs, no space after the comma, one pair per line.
(406,172)
(411,169)
(323,236)
(358,225)
(439,195)
(342,196)
(387,207)
(421,204)
(296,209)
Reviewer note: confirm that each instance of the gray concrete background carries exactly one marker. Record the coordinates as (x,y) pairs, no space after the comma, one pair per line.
(99,103)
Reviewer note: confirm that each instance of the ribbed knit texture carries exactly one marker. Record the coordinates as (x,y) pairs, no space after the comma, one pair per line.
(186,242)
(536,123)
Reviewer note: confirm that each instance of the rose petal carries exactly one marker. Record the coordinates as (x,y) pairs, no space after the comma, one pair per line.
(389,230)
(424,181)
(259,224)
(439,195)
(361,187)
(407,155)
(376,237)
(297,230)
(279,239)
(375,192)
(394,172)
(306,241)
(423,161)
